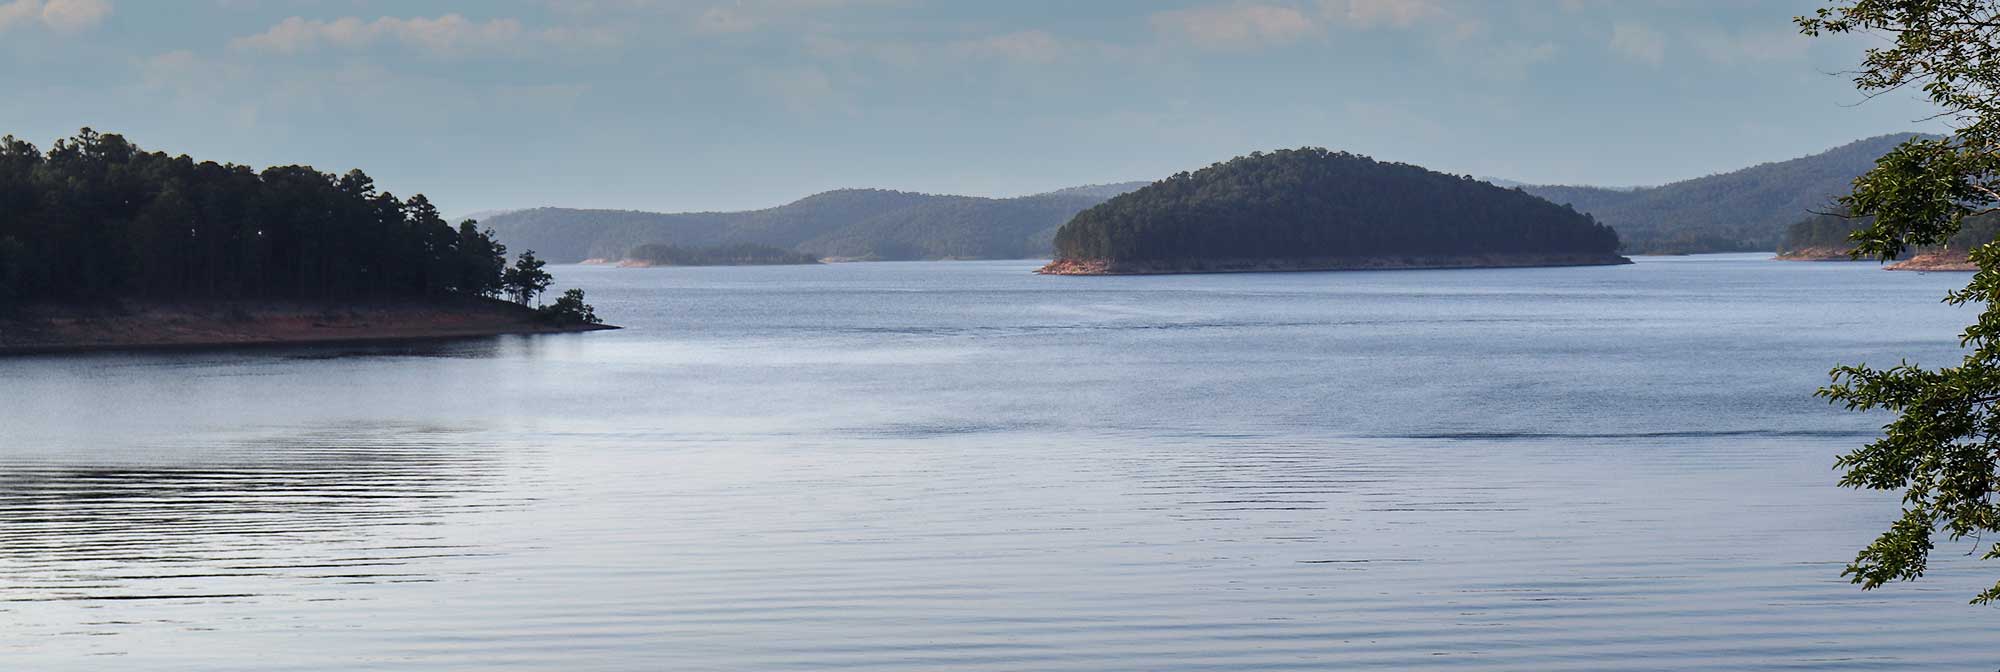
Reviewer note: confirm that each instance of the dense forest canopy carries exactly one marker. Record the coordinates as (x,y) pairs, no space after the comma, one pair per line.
(740,254)
(1835,231)
(1739,211)
(96,217)
(848,223)
(1314,203)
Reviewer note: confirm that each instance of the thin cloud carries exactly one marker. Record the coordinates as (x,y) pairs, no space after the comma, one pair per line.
(1730,48)
(67,16)
(1029,46)
(1373,13)
(741,16)
(447,35)
(1638,42)
(1237,26)
(806,91)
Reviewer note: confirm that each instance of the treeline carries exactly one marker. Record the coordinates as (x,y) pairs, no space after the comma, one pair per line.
(1737,211)
(1831,231)
(740,254)
(1314,203)
(849,223)
(96,217)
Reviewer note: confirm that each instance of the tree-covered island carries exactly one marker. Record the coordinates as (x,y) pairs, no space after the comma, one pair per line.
(1314,209)
(106,245)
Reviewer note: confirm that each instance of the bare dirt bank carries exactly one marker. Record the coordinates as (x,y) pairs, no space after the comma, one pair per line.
(1944,260)
(1815,254)
(135,325)
(1111,267)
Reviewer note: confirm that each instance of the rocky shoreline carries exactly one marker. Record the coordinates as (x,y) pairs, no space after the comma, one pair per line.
(1119,267)
(214,324)
(1938,261)
(1816,254)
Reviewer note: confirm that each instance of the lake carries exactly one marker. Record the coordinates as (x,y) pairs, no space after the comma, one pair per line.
(960,465)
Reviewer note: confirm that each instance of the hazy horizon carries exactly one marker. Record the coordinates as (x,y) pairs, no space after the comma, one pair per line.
(686,105)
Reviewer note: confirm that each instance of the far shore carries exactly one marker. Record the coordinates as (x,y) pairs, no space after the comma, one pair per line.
(1121,267)
(1936,261)
(132,325)
(641,263)
(1816,254)
(1933,261)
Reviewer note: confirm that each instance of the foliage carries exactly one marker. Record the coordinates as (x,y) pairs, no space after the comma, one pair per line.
(96,217)
(1943,447)
(739,254)
(1738,211)
(1835,230)
(569,310)
(851,223)
(1313,203)
(1824,230)
(526,279)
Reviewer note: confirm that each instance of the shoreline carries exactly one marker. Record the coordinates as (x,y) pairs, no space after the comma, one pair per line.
(1405,263)
(1816,254)
(1946,261)
(640,263)
(215,325)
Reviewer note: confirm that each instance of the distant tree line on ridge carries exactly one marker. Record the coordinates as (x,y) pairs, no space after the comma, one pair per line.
(1833,230)
(97,218)
(1738,211)
(1315,203)
(739,254)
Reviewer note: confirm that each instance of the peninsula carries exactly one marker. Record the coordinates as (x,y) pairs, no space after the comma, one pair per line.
(1312,209)
(1827,237)
(148,325)
(104,245)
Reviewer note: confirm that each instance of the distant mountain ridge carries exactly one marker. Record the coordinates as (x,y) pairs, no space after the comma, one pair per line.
(1743,210)
(842,224)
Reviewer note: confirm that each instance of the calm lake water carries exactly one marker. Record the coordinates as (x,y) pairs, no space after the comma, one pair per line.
(964,466)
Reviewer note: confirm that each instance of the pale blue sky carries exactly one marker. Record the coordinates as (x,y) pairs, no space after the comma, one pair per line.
(729,104)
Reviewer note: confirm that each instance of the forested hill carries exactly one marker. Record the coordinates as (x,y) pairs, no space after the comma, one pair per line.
(1313,208)
(850,223)
(1744,210)
(98,218)
(1827,233)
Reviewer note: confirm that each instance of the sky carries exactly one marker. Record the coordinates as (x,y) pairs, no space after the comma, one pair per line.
(687,105)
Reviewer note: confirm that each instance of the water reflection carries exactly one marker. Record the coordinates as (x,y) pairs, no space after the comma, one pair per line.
(242,518)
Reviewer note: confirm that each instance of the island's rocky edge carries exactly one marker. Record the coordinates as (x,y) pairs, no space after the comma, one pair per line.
(1119,267)
(1941,260)
(1928,261)
(138,325)
(1816,253)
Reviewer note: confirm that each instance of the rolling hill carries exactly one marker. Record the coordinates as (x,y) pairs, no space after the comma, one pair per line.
(843,224)
(1743,210)
(1314,209)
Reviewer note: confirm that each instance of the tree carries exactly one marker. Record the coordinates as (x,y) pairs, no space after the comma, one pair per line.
(570,310)
(526,279)
(13,257)
(483,261)
(96,217)
(1943,448)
